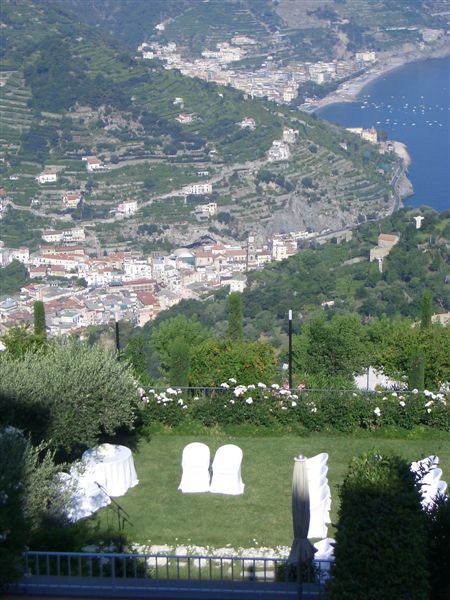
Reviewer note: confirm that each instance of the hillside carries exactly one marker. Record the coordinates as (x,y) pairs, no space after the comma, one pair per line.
(283,28)
(338,278)
(70,91)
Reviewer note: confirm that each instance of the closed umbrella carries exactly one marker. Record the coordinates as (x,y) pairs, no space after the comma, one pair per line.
(302,550)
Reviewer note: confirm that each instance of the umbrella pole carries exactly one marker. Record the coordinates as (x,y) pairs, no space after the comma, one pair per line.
(300,581)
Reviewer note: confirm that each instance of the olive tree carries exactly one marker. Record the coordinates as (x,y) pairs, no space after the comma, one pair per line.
(69,395)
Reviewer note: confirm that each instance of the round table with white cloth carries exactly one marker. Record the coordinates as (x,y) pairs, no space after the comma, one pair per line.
(112,467)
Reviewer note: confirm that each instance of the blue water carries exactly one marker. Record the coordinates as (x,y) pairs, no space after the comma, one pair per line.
(412,104)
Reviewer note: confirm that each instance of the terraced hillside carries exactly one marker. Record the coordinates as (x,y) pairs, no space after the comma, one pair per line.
(66,97)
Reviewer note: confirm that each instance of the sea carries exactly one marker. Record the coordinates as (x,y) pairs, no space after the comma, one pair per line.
(412,104)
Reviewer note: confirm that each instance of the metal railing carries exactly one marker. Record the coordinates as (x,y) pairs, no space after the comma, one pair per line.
(171,567)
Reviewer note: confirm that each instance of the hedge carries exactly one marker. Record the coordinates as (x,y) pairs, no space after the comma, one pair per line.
(313,410)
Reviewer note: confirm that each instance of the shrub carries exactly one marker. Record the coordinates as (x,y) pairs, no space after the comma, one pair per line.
(381,537)
(270,406)
(70,395)
(438,527)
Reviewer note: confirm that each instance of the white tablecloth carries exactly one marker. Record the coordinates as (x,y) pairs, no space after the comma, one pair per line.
(112,467)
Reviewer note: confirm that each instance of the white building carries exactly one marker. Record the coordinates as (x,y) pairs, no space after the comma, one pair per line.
(93,164)
(197,189)
(48,176)
(20,254)
(127,208)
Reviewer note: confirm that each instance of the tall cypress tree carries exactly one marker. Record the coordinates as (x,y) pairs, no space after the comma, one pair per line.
(235,316)
(426,310)
(179,363)
(39,319)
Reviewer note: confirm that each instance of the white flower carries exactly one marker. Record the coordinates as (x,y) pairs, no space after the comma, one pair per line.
(196,398)
(275,386)
(415,391)
(239,390)
(283,408)
(180,402)
(394,394)
(171,391)
(377,412)
(262,385)
(354,395)
(293,403)
(231,401)
(224,385)
(249,400)
(384,397)
(428,410)
(427,393)
(314,409)
(232,380)
(251,386)
(294,396)
(429,403)
(184,406)
(402,403)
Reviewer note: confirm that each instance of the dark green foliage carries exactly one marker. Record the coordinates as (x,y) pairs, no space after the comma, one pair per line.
(69,396)
(235,316)
(12,278)
(381,540)
(416,376)
(438,525)
(58,82)
(30,495)
(19,340)
(426,310)
(39,319)
(135,355)
(179,367)
(214,362)
(334,348)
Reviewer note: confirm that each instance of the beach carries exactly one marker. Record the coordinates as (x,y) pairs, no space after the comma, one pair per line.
(349,90)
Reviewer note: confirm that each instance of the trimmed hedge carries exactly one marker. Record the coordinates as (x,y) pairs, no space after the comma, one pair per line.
(381,538)
(265,406)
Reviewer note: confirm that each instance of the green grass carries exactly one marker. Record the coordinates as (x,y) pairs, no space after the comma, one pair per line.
(160,514)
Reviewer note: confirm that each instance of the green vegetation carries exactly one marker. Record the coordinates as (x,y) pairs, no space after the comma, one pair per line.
(91,394)
(12,278)
(381,524)
(235,316)
(160,514)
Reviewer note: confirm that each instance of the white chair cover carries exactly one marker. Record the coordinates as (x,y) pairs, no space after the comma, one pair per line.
(325,549)
(319,515)
(195,468)
(425,464)
(431,478)
(316,462)
(226,471)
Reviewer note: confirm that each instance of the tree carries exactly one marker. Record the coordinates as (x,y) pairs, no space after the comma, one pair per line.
(381,536)
(18,340)
(170,329)
(135,355)
(179,368)
(416,375)
(69,396)
(426,310)
(31,497)
(235,316)
(214,362)
(39,319)
(336,347)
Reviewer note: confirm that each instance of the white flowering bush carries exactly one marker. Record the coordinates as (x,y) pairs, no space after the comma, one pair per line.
(274,406)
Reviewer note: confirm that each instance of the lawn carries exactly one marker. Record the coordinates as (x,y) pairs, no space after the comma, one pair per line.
(160,514)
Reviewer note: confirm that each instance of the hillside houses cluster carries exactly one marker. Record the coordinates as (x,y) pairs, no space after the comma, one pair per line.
(278,83)
(127,284)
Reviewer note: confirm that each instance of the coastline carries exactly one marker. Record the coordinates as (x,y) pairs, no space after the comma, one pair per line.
(350,90)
